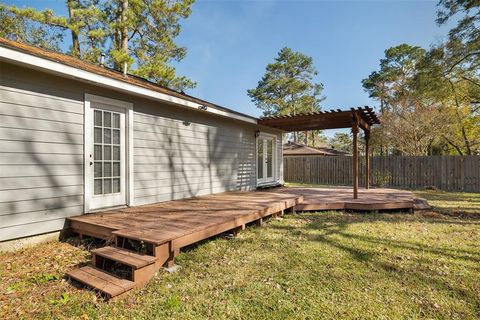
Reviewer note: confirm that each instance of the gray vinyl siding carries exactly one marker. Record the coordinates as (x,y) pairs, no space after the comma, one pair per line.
(41,155)
(180,154)
(41,151)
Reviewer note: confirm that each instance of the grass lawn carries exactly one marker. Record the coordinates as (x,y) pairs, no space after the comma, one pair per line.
(305,266)
(463,204)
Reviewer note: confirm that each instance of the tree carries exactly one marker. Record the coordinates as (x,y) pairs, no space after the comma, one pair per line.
(412,122)
(463,46)
(341,141)
(137,35)
(87,21)
(458,98)
(153,36)
(456,68)
(288,86)
(31,27)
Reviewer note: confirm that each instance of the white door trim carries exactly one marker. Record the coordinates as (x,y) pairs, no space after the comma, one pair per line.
(274,178)
(127,108)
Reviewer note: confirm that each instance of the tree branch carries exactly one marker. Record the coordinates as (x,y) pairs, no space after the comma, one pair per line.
(461,60)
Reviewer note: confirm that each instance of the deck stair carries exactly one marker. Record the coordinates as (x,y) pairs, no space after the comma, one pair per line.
(102,281)
(116,270)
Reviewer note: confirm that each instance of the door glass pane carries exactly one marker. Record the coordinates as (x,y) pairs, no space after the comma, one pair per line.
(269,159)
(107,152)
(107,186)
(98,135)
(116,185)
(97,186)
(260,159)
(116,169)
(116,120)
(98,118)
(107,169)
(116,136)
(97,167)
(107,136)
(107,174)
(107,119)
(116,153)
(97,154)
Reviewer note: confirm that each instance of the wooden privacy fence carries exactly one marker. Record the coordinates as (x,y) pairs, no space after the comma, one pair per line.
(452,173)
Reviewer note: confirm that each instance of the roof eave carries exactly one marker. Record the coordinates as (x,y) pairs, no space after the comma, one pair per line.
(39,63)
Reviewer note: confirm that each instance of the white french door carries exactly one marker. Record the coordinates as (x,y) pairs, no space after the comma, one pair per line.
(266,150)
(106,155)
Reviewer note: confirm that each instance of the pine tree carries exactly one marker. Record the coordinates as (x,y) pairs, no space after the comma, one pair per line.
(134,34)
(288,86)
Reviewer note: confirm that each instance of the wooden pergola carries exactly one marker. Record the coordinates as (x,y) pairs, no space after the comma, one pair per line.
(362,117)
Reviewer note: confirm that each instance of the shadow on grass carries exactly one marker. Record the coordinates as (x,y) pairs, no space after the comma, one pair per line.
(332,230)
(339,227)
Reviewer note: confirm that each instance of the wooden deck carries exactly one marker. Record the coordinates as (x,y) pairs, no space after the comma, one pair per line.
(145,238)
(149,237)
(341,198)
(166,221)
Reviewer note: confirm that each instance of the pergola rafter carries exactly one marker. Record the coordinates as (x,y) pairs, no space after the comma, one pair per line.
(359,118)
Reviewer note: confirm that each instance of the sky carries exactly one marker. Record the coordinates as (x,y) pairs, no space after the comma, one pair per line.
(230,42)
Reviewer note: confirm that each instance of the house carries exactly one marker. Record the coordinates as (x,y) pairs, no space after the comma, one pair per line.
(77,137)
(292,148)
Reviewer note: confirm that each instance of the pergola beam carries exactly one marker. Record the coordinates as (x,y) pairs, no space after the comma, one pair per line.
(322,120)
(305,117)
(314,126)
(363,124)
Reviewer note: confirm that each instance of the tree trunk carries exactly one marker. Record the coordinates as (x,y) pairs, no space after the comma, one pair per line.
(467,142)
(120,38)
(460,152)
(457,103)
(75,39)
(124,32)
(295,135)
(383,150)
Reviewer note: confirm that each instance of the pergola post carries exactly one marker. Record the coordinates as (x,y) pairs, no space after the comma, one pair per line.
(355,156)
(367,160)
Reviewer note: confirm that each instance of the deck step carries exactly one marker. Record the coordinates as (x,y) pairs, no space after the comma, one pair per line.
(99,280)
(421,204)
(129,258)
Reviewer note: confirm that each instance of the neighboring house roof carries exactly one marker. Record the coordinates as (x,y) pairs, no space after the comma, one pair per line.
(297,149)
(68,66)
